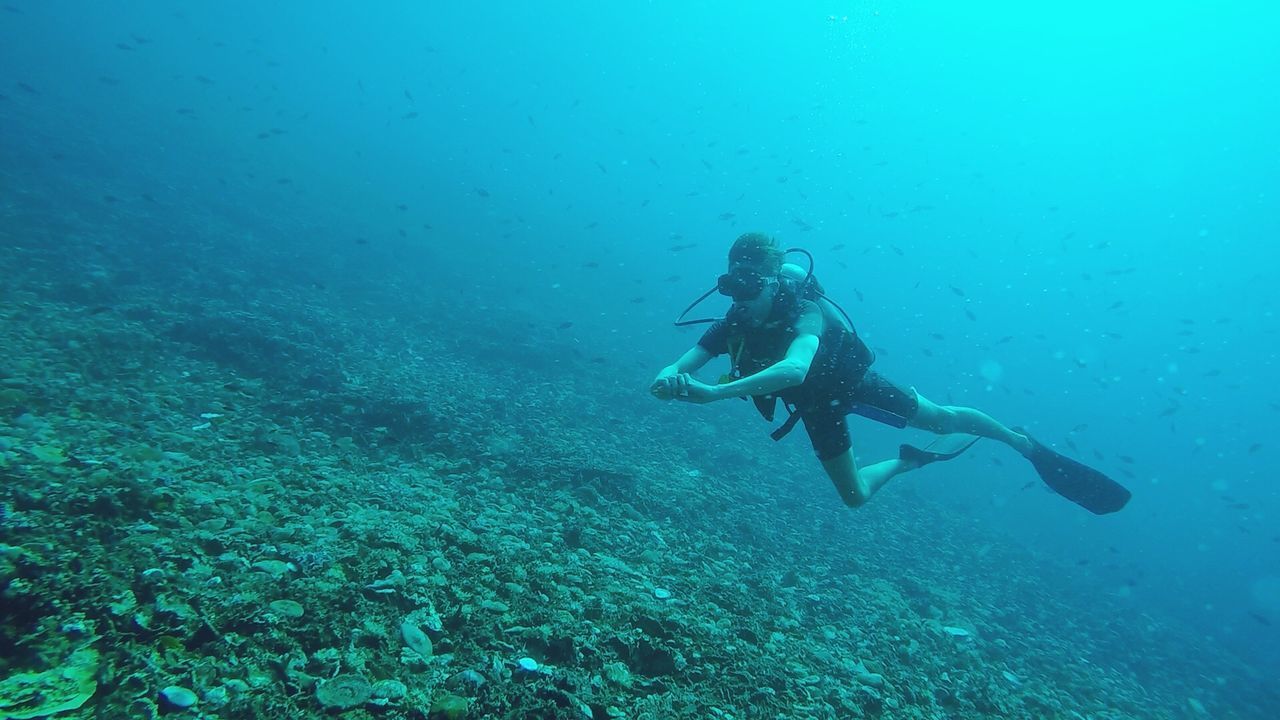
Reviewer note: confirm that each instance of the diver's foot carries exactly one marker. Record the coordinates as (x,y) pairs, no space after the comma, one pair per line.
(1023,442)
(944,447)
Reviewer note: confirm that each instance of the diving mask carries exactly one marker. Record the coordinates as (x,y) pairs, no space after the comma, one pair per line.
(741,284)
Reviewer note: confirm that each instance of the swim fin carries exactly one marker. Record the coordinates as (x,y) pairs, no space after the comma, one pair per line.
(1077,482)
(943,447)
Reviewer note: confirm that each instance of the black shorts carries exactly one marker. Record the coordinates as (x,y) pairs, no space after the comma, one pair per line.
(827,424)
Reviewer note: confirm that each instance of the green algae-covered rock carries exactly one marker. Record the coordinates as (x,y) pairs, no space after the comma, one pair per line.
(344,692)
(448,707)
(290,609)
(31,695)
(415,639)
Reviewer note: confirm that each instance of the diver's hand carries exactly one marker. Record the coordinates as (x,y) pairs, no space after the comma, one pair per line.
(695,391)
(667,386)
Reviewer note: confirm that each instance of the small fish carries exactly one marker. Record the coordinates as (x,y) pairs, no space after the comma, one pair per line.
(672,278)
(361,241)
(603,169)
(408,95)
(28,89)
(1262,619)
(124,46)
(1255,448)
(637,300)
(1005,339)
(897,250)
(591,264)
(564,325)
(1116,305)
(927,352)
(409,115)
(204,80)
(1125,459)
(969,314)
(956,290)
(858,294)
(591,226)
(108,80)
(837,247)
(654,163)
(937,336)
(727,216)
(685,246)
(482,192)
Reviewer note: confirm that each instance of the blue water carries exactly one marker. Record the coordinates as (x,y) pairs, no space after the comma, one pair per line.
(1064,215)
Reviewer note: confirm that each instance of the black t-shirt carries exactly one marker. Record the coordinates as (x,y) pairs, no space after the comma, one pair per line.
(842,358)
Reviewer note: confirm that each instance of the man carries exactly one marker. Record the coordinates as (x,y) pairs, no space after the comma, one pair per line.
(786,341)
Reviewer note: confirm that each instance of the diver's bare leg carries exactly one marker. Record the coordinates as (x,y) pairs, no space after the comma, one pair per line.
(856,486)
(958,419)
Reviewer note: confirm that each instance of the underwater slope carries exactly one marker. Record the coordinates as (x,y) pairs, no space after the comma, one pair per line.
(223,487)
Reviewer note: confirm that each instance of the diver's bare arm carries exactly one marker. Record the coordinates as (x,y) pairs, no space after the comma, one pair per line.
(694,359)
(787,372)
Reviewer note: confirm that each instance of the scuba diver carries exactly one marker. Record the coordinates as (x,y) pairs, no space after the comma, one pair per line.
(787,340)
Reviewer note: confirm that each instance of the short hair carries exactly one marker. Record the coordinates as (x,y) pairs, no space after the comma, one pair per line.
(757,249)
